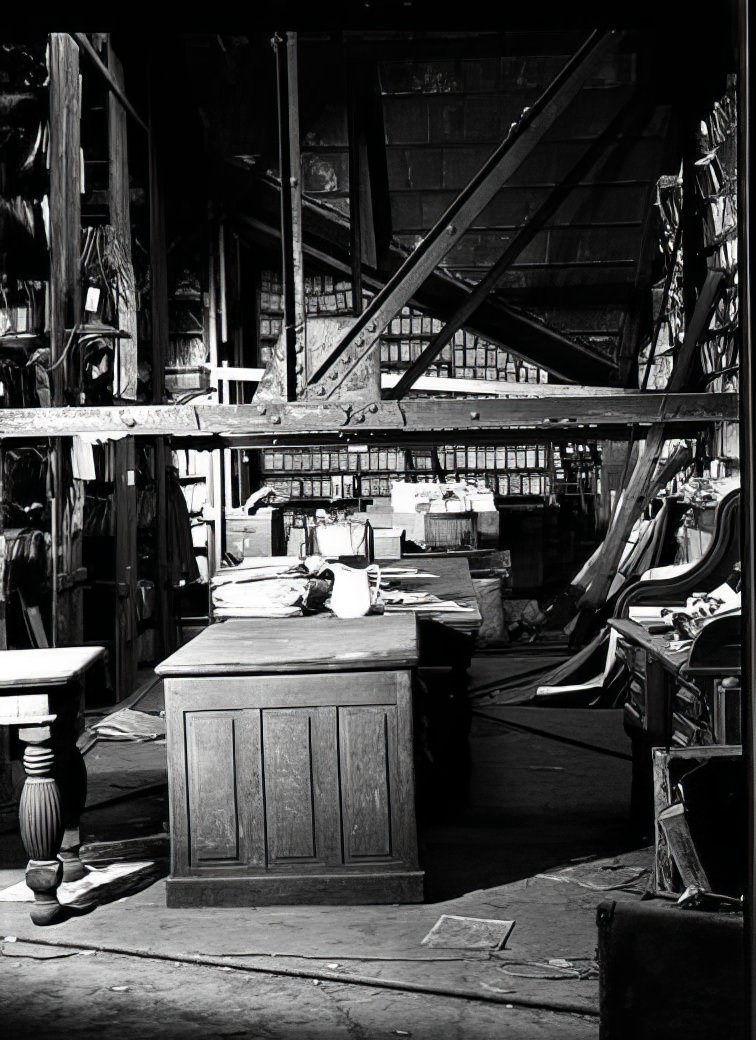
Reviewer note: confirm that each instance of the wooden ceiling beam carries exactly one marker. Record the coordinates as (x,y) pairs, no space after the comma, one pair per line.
(445,415)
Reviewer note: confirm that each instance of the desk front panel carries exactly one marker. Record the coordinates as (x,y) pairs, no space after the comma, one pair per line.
(291,774)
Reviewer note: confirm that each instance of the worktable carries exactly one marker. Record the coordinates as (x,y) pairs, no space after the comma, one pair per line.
(290,762)
(41,696)
(452,581)
(678,694)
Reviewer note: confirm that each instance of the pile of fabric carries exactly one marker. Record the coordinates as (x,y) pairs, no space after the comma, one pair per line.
(271,587)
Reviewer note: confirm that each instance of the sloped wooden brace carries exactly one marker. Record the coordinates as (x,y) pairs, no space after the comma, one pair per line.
(522,238)
(508,157)
(630,505)
(493,321)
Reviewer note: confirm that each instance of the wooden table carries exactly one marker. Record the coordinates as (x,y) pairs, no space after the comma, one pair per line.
(41,696)
(672,699)
(290,763)
(452,581)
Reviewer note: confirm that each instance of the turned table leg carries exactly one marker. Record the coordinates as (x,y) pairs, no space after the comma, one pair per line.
(41,824)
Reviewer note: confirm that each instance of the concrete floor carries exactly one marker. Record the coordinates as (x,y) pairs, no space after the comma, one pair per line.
(299,972)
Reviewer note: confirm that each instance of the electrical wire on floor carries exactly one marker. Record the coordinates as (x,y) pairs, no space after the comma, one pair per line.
(518,727)
(488,996)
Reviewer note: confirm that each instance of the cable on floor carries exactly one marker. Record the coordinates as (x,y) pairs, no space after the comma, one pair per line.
(422,989)
(518,727)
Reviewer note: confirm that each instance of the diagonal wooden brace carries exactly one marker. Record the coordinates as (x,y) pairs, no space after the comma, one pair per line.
(532,126)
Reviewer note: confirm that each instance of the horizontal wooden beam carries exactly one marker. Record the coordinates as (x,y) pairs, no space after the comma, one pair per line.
(446,384)
(503,388)
(306,418)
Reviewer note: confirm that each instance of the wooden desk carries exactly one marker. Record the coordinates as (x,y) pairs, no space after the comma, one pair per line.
(675,701)
(452,582)
(290,763)
(40,694)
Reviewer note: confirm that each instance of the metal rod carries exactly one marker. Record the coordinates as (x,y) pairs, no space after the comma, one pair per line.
(85,45)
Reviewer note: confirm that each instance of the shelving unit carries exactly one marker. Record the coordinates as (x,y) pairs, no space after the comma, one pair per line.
(185,368)
(544,470)
(467,356)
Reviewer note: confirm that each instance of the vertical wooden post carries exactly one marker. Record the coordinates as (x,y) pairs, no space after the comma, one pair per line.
(355,188)
(295,353)
(158,261)
(159,315)
(6,785)
(65,197)
(3,632)
(65,298)
(693,259)
(361,187)
(237,316)
(746,231)
(224,388)
(124,502)
(615,458)
(125,387)
(215,468)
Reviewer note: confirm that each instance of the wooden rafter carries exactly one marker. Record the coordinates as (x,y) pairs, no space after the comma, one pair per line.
(326,241)
(364,335)
(522,238)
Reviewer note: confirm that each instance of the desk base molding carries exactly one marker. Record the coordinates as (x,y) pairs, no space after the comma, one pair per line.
(325,889)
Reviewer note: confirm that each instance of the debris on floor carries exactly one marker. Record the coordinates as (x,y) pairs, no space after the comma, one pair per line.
(102,885)
(130,724)
(600,877)
(469,933)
